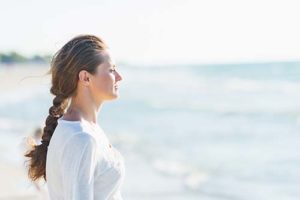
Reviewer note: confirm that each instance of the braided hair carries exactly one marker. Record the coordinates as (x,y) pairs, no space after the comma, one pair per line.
(80,53)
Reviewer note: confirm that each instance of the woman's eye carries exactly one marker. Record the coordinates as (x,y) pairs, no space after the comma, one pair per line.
(112,70)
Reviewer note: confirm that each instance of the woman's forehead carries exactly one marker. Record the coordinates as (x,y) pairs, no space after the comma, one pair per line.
(107,62)
(108,59)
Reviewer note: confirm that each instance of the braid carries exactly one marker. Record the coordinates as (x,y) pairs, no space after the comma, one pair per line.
(55,112)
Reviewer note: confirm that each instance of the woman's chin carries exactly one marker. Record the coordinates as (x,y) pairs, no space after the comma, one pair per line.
(115,95)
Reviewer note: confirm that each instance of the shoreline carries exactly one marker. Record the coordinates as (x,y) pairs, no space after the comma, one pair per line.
(19,76)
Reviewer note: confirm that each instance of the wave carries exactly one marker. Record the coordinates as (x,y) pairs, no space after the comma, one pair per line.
(191,177)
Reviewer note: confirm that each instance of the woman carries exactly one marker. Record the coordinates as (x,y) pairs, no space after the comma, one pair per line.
(75,157)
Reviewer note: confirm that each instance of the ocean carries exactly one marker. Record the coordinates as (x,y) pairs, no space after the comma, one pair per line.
(209,132)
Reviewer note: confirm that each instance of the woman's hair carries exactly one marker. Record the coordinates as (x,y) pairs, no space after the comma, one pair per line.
(80,53)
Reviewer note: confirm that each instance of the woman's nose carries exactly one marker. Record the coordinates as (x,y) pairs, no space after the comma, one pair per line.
(118,77)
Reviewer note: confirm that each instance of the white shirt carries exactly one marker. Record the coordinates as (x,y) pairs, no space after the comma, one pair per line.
(81,165)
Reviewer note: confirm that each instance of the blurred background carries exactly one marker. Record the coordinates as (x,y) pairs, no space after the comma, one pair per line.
(209,104)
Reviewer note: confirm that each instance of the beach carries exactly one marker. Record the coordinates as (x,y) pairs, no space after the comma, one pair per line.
(210,132)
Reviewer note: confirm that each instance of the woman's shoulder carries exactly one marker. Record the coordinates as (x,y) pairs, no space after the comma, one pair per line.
(82,138)
(78,144)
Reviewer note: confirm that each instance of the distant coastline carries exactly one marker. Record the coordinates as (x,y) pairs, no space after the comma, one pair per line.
(13,57)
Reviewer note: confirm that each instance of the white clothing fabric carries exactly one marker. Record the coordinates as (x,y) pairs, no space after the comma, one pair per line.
(82,165)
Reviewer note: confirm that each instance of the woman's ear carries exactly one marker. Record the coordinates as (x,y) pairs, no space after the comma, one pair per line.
(84,77)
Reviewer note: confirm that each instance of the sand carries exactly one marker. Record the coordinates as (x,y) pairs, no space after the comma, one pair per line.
(14,184)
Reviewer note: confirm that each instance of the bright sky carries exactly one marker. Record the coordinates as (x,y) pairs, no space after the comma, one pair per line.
(158,31)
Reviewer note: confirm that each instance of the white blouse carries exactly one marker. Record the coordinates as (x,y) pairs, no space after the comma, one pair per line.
(82,165)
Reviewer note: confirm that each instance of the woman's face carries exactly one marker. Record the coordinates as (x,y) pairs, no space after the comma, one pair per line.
(104,82)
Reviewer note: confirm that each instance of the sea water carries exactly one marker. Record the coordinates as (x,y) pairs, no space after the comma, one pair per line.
(191,132)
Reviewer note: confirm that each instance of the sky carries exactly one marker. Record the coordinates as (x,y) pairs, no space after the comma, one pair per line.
(158,31)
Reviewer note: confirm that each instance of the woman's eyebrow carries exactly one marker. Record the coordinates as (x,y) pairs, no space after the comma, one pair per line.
(112,66)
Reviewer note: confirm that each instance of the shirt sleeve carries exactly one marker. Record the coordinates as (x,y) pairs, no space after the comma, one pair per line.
(78,167)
